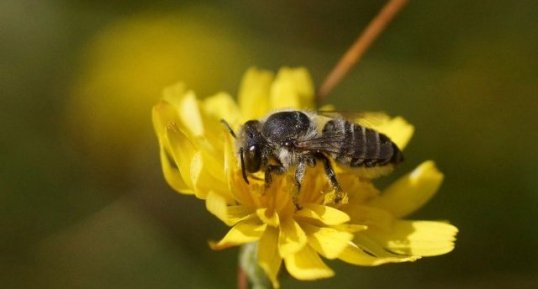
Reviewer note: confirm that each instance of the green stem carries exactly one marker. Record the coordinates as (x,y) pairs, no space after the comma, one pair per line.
(248,262)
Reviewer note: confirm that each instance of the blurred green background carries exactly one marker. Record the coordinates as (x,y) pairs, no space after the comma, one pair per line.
(84,204)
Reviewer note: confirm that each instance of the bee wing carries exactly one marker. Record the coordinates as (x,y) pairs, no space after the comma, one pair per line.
(329,142)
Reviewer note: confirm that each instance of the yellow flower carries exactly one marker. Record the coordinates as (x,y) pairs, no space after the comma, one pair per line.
(127,64)
(199,157)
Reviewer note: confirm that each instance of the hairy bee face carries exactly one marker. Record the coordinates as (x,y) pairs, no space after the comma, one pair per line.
(252,143)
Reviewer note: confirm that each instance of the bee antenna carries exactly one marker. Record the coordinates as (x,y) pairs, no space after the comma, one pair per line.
(227,125)
(243,165)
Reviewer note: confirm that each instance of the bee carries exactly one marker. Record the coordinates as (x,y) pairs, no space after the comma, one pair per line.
(294,140)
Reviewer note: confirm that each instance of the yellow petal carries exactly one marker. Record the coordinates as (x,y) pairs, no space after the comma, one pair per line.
(222,106)
(230,162)
(174,141)
(209,113)
(172,175)
(162,116)
(268,260)
(397,128)
(292,89)
(325,214)
(186,106)
(254,93)
(371,245)
(307,265)
(328,242)
(369,216)
(327,108)
(418,238)
(216,204)
(351,228)
(279,196)
(246,231)
(238,213)
(181,149)
(358,190)
(268,217)
(189,113)
(175,93)
(354,255)
(207,175)
(411,191)
(292,238)
(234,181)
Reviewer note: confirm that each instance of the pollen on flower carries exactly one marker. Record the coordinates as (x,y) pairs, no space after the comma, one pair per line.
(293,230)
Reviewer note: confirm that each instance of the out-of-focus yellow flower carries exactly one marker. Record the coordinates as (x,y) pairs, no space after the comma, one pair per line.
(124,68)
(198,157)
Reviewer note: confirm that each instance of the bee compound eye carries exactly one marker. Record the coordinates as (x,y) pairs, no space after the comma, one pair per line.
(253,159)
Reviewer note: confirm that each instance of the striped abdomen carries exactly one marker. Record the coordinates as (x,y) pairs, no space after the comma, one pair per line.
(357,146)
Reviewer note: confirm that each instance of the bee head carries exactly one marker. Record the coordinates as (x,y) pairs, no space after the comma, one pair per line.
(251,147)
(251,143)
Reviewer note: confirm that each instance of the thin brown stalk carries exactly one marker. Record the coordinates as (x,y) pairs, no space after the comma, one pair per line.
(242,282)
(355,52)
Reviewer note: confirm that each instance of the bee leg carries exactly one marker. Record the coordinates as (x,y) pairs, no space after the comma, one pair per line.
(299,175)
(277,169)
(332,177)
(311,162)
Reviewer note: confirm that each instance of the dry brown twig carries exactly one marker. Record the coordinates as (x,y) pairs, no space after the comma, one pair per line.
(361,44)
